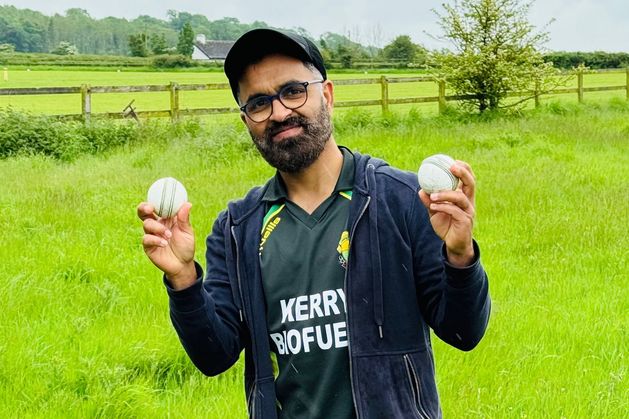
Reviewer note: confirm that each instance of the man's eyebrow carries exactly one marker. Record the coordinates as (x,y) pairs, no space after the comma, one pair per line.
(257,95)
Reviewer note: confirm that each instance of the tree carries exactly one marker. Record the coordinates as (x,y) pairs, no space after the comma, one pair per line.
(50,35)
(7,48)
(65,48)
(227,28)
(186,40)
(158,44)
(403,51)
(138,45)
(178,19)
(340,48)
(496,52)
(345,56)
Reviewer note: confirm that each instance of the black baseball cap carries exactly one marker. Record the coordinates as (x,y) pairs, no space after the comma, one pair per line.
(256,44)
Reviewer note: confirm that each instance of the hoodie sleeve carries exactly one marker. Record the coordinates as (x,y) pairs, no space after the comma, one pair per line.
(204,315)
(454,301)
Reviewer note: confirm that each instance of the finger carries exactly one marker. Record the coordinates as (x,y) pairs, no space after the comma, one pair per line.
(457,198)
(149,241)
(424,198)
(454,211)
(183,216)
(466,166)
(146,211)
(464,172)
(156,228)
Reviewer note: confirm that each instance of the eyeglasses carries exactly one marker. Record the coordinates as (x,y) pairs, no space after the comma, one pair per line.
(292,96)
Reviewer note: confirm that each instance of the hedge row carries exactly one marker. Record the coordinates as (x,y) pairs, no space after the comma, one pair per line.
(25,134)
(593,60)
(159,61)
(33,59)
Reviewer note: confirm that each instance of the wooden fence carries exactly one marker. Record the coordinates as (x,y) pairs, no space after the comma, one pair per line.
(175,112)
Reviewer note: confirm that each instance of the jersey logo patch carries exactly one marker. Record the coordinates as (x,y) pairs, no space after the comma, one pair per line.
(343,249)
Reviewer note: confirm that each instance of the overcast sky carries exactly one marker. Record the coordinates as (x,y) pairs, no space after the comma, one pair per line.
(580,25)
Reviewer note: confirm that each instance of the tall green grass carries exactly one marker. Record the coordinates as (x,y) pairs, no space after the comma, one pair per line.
(84,328)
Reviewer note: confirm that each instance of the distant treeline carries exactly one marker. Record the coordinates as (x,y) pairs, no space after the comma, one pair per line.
(31,31)
(593,60)
(25,30)
(76,33)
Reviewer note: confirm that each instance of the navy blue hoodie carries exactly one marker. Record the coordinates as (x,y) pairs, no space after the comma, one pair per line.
(398,285)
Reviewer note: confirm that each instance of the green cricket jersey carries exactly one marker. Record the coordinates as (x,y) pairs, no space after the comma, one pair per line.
(303,259)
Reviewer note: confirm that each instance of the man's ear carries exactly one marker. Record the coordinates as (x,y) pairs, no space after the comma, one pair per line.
(328,94)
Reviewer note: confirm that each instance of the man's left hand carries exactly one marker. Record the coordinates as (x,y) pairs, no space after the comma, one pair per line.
(452,215)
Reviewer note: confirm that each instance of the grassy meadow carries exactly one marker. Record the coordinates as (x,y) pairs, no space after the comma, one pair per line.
(84,327)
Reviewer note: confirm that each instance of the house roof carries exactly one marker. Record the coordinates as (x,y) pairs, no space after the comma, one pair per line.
(215,50)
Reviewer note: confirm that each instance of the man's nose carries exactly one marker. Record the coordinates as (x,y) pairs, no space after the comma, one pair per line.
(279,112)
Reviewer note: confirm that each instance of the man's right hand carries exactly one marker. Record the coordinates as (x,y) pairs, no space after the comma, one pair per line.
(169,244)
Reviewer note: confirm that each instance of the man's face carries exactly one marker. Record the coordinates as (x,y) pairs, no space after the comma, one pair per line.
(290,140)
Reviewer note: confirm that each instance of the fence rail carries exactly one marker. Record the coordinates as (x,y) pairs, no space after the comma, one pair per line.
(175,111)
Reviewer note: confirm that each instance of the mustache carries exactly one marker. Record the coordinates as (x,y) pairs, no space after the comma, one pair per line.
(293,121)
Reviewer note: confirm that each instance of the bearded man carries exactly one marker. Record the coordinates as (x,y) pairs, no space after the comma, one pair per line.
(331,275)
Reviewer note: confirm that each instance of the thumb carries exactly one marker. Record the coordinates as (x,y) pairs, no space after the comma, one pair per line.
(183,217)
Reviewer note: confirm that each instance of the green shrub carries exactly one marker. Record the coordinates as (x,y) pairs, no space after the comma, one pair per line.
(557,107)
(619,104)
(28,134)
(36,59)
(172,61)
(595,60)
(102,135)
(353,118)
(25,134)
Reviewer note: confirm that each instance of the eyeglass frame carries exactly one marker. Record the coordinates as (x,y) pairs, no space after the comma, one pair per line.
(271,98)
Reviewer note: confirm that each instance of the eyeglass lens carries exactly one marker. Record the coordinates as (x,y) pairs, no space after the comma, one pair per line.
(292,96)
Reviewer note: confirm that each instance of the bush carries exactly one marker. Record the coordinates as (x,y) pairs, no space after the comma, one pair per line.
(594,60)
(23,134)
(7,48)
(172,61)
(65,48)
(27,134)
(32,59)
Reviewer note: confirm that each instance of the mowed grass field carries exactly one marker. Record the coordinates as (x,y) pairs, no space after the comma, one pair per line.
(84,327)
(151,101)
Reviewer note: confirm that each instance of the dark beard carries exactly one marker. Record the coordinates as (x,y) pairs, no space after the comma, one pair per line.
(294,154)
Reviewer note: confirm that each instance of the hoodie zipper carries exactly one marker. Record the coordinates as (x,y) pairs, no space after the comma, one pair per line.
(242,301)
(349,340)
(415,387)
(251,399)
(251,403)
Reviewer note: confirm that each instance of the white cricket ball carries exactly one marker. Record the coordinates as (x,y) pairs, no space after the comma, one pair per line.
(434,174)
(167,195)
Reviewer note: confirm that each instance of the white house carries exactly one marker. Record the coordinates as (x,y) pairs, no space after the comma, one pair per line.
(210,50)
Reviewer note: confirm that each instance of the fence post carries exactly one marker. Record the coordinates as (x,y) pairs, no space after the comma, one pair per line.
(174,101)
(580,84)
(384,84)
(627,83)
(442,96)
(86,102)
